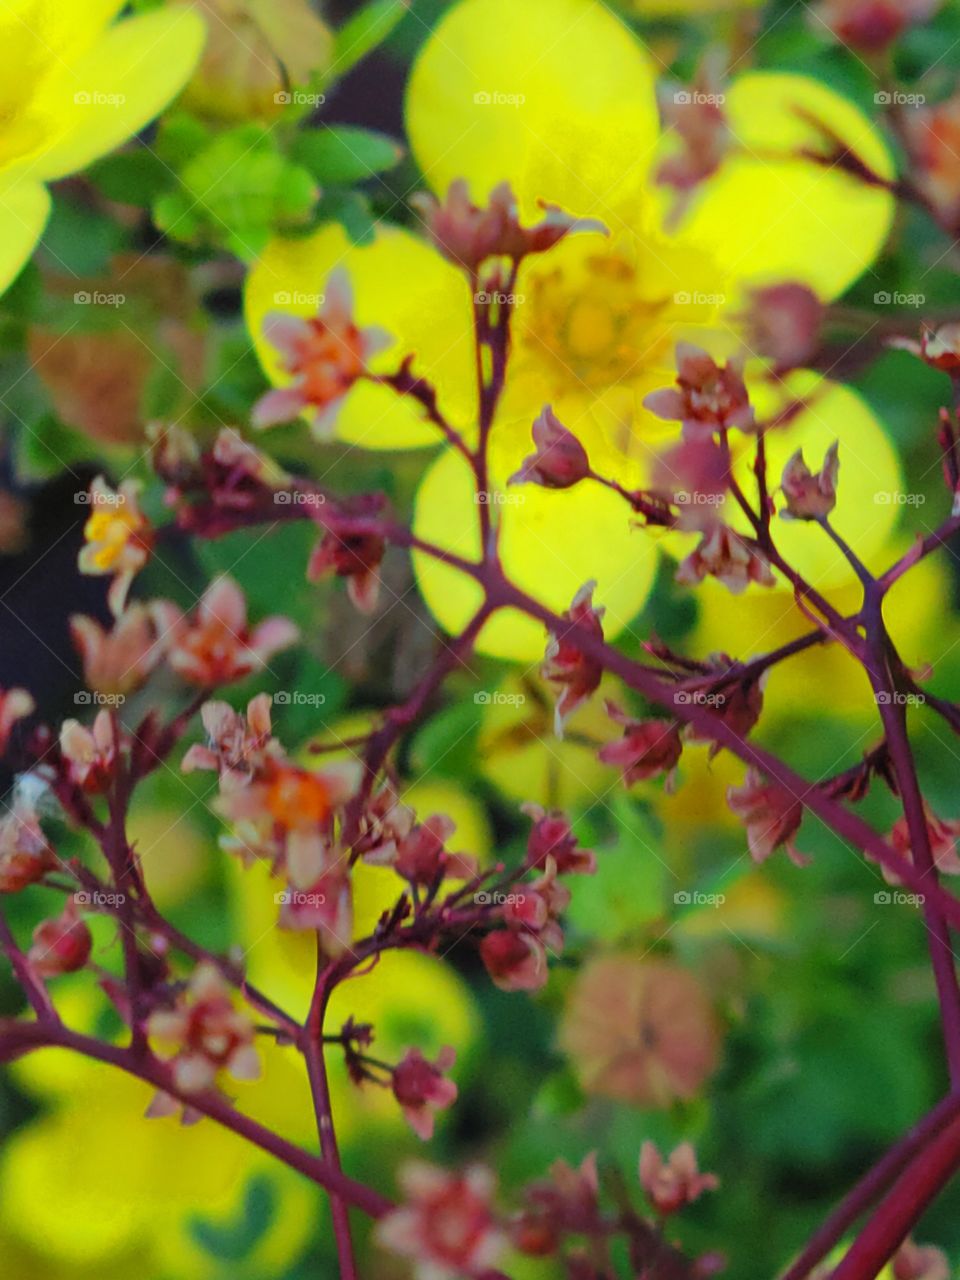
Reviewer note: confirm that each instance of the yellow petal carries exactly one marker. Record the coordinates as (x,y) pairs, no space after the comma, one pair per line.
(399,285)
(551,543)
(24,210)
(556,96)
(116,87)
(770,219)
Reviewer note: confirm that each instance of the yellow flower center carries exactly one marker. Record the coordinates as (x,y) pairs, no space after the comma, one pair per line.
(110,532)
(592,328)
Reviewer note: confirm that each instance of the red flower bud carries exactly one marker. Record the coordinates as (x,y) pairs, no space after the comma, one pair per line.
(60,945)
(560,460)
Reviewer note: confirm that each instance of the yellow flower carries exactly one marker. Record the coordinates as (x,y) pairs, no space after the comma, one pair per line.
(117,538)
(74,84)
(95,1188)
(557,97)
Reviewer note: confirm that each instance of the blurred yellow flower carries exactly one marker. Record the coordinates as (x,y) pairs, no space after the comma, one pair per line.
(94,1188)
(74,84)
(573,120)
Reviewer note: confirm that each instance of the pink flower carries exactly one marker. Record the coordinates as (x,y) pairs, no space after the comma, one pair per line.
(565,666)
(217,646)
(552,837)
(647,748)
(89,755)
(811,495)
(324,356)
(422,1088)
(560,460)
(60,945)
(694,476)
(324,907)
(25,852)
(384,824)
(445,1224)
(724,555)
(421,857)
(737,703)
(286,814)
(515,961)
(118,660)
(15,704)
(771,816)
(920,1262)
(566,1202)
(236,746)
(355,557)
(871,25)
(700,123)
(783,323)
(940,347)
(467,235)
(207,1033)
(672,1183)
(942,834)
(707,398)
(640,1031)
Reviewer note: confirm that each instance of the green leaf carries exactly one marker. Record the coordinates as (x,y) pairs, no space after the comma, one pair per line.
(234,1240)
(364,32)
(236,193)
(133,177)
(344,155)
(352,210)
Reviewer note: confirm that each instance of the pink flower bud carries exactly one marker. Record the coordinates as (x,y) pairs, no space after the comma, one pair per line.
(560,460)
(61,945)
(672,1183)
(771,816)
(468,235)
(811,495)
(565,666)
(515,961)
(422,1089)
(647,748)
(783,324)
(552,837)
(871,25)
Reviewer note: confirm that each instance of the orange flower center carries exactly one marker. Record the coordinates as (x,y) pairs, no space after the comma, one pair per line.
(330,361)
(296,798)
